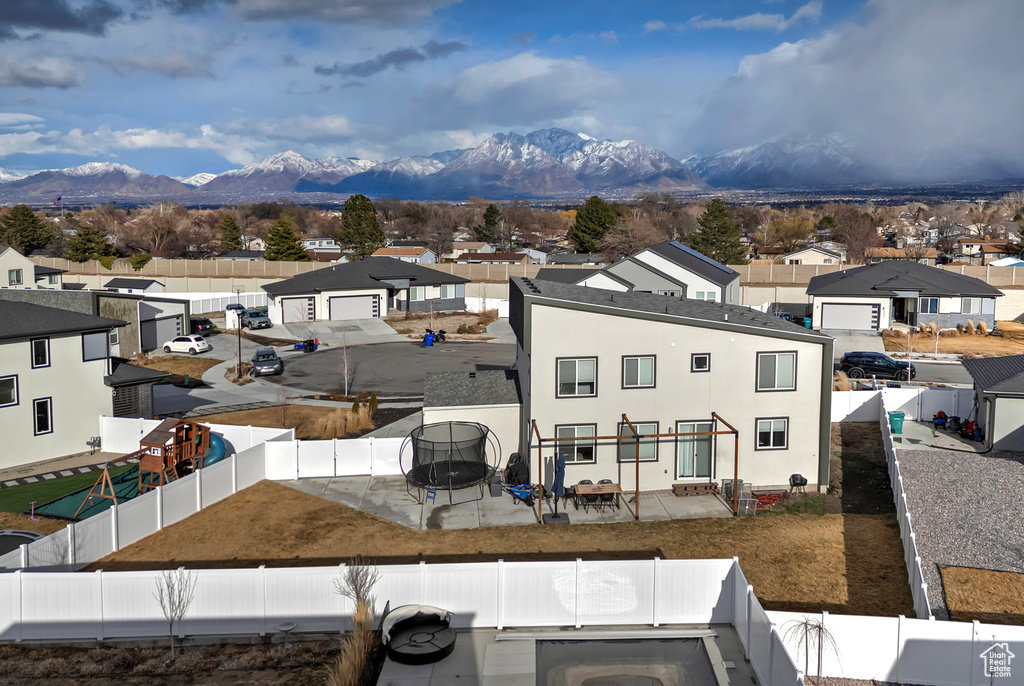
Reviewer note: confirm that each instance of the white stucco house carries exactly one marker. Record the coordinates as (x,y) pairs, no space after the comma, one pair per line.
(412,254)
(17,271)
(876,296)
(812,255)
(668,268)
(52,366)
(999,399)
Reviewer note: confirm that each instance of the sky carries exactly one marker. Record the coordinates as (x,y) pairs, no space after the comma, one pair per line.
(178,87)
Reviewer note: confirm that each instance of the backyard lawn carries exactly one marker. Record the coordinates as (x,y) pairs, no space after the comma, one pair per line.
(179,366)
(983,595)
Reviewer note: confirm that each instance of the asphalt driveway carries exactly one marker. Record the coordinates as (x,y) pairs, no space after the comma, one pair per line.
(390,369)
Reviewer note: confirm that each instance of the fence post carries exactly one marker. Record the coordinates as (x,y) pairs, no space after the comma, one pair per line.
(115,534)
(234,472)
(159,508)
(263,585)
(199,490)
(501,594)
(71,543)
(423,582)
(750,609)
(975,630)
(20,576)
(654,594)
(772,640)
(99,594)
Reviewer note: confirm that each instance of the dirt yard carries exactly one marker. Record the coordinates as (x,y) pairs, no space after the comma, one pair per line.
(416,323)
(1011,342)
(983,595)
(179,365)
(304,419)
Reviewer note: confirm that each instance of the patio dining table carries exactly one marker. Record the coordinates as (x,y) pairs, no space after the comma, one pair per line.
(601,489)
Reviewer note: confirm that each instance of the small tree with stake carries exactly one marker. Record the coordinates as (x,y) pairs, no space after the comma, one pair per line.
(355,583)
(810,634)
(175,590)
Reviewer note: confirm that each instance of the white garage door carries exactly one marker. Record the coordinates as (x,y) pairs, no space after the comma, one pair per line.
(353,306)
(298,309)
(849,316)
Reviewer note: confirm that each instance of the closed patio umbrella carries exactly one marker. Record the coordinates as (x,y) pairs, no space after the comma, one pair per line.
(558,487)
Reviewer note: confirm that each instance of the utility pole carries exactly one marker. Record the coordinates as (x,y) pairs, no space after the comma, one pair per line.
(238,333)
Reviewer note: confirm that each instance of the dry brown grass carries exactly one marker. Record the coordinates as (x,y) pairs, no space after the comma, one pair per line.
(849,564)
(950,342)
(179,365)
(21,522)
(984,595)
(840,381)
(305,419)
(416,323)
(341,423)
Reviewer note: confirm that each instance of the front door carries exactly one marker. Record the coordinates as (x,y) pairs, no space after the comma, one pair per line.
(694,453)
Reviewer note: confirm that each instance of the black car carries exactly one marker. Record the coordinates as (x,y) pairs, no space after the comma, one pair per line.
(266,361)
(861,364)
(201,325)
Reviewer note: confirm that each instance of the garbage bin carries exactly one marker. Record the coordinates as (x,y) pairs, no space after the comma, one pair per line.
(307,345)
(896,422)
(807,322)
(428,340)
(496,485)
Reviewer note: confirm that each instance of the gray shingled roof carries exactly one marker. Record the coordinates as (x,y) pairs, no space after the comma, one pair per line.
(885,278)
(44,271)
(126,374)
(997,374)
(121,282)
(457,389)
(22,320)
(370,272)
(719,314)
(563,275)
(690,259)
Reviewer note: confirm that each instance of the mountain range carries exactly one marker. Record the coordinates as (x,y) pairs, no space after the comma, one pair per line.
(545,164)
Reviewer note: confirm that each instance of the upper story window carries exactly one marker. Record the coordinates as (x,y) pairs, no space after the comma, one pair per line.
(8,390)
(776,371)
(94,346)
(700,362)
(929,305)
(40,352)
(577,377)
(14,277)
(638,372)
(971,306)
(417,293)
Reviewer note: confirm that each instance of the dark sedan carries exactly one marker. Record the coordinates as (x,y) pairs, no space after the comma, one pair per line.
(201,325)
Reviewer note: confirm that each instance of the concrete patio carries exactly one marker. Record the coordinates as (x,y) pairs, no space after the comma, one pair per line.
(924,436)
(386,497)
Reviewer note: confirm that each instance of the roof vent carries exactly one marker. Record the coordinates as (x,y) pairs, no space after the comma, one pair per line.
(612,297)
(472,375)
(726,316)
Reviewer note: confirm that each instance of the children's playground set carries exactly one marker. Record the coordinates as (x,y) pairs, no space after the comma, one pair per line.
(175,448)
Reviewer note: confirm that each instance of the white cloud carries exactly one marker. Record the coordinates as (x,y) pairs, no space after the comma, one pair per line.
(655,25)
(609,37)
(759,21)
(45,72)
(174,64)
(18,119)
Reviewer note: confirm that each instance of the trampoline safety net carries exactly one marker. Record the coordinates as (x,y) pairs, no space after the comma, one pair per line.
(449,455)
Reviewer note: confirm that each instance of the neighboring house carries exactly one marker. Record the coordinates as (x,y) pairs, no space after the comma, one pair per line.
(52,366)
(366,288)
(17,271)
(999,397)
(134,286)
(490,397)
(536,256)
(460,248)
(812,255)
(132,388)
(585,357)
(767,254)
(929,256)
(668,268)
(577,258)
(876,296)
(241,255)
(321,243)
(494,258)
(413,255)
(983,250)
(254,243)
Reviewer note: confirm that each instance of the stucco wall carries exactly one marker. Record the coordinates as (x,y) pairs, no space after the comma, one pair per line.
(1008,432)
(679,394)
(502,420)
(125,309)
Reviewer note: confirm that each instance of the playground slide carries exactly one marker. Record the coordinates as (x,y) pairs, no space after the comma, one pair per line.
(217,451)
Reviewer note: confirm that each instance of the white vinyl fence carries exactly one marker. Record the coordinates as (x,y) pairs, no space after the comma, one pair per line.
(485,304)
(216,302)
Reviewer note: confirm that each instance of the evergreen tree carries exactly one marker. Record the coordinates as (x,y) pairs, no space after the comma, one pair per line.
(718,236)
(89,243)
(486,232)
(593,221)
(360,232)
(282,243)
(230,234)
(22,229)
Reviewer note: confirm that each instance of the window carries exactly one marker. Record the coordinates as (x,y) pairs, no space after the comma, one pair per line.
(448,291)
(113,337)
(648,446)
(577,377)
(14,277)
(776,371)
(929,305)
(693,453)
(579,450)
(40,352)
(51,279)
(971,306)
(773,434)
(700,362)
(8,390)
(827,260)
(94,346)
(672,293)
(42,411)
(417,293)
(638,372)
(706,295)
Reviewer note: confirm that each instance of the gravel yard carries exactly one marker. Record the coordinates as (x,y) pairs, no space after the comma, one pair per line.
(965,508)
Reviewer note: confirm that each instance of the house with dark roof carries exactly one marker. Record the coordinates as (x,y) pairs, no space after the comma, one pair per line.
(668,268)
(17,271)
(999,397)
(134,286)
(879,295)
(132,388)
(52,366)
(490,397)
(679,370)
(241,255)
(365,289)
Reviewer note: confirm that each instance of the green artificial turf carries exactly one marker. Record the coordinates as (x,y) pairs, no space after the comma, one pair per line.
(17,498)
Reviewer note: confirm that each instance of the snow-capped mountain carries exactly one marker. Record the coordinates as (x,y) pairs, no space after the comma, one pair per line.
(284,172)
(196,180)
(101,169)
(94,181)
(789,162)
(13,175)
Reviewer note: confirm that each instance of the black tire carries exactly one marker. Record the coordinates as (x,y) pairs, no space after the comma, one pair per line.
(903,376)
(856,373)
(192,351)
(167,348)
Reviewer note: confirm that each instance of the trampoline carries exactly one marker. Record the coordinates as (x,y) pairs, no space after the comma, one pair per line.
(449,456)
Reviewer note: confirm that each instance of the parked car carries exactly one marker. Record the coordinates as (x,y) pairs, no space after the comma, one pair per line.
(857,365)
(234,306)
(201,325)
(187,344)
(266,361)
(255,319)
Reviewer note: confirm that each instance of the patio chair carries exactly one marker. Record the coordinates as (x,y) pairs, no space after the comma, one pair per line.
(590,499)
(569,493)
(606,499)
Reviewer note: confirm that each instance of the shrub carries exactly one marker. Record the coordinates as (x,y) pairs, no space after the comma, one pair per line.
(933,329)
(970,327)
(959,328)
(922,328)
(982,329)
(968,356)
(355,405)
(138,261)
(341,423)
(107,261)
(840,381)
(373,402)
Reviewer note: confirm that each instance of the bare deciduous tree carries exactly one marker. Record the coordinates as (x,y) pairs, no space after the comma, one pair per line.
(175,591)
(347,365)
(630,236)
(810,634)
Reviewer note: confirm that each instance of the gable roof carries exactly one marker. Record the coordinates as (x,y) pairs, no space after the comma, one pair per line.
(564,275)
(693,261)
(997,374)
(694,312)
(885,278)
(492,257)
(127,374)
(812,248)
(121,282)
(241,253)
(455,389)
(22,320)
(370,272)
(45,271)
(403,250)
